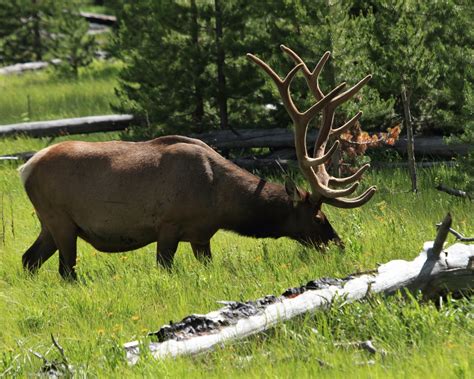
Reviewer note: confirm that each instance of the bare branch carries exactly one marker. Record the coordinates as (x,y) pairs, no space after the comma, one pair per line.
(458,235)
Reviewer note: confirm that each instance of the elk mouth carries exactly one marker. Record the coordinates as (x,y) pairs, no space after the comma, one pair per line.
(320,244)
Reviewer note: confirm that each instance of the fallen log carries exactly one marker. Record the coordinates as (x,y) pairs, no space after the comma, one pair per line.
(453,191)
(255,163)
(276,163)
(221,140)
(434,271)
(283,138)
(98,18)
(250,138)
(79,125)
(18,156)
(28,66)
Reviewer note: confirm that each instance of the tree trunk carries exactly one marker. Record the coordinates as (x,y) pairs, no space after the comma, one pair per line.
(198,112)
(330,74)
(221,82)
(37,45)
(410,140)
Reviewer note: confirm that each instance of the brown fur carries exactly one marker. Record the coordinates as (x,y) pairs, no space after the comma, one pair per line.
(120,196)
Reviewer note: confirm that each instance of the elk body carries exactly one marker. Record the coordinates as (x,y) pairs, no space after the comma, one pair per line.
(120,196)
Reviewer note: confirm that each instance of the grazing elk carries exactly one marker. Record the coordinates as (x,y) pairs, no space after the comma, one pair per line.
(120,196)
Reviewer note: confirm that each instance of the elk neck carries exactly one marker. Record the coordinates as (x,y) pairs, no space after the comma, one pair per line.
(258,208)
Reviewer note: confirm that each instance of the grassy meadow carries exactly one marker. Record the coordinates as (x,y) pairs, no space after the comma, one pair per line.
(43,95)
(121,297)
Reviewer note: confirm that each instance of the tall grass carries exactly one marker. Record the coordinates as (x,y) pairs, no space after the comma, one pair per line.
(45,95)
(121,297)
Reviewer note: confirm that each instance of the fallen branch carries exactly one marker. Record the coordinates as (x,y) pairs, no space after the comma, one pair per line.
(97,18)
(364,345)
(453,191)
(432,272)
(19,68)
(18,156)
(458,235)
(55,368)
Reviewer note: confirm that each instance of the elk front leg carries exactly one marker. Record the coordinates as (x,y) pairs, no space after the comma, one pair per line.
(167,244)
(202,251)
(64,233)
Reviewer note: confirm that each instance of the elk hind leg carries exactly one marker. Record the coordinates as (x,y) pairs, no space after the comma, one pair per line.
(41,250)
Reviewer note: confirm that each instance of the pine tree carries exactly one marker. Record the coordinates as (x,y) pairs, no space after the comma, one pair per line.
(72,44)
(425,47)
(186,66)
(25,30)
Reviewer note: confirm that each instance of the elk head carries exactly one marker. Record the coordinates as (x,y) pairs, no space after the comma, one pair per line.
(313,168)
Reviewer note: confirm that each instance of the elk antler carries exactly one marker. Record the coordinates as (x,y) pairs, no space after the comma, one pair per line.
(313,168)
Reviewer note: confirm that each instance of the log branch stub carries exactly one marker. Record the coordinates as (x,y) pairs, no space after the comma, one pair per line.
(443,231)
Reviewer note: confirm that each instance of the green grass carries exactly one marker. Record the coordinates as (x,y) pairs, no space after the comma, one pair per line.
(123,296)
(44,95)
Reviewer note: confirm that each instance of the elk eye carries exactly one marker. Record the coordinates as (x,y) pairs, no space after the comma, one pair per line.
(318,219)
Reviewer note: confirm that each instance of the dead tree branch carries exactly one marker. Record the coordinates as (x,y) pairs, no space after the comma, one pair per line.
(453,191)
(458,235)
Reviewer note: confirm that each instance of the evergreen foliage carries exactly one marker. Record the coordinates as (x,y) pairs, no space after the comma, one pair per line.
(181,76)
(72,44)
(426,48)
(25,30)
(185,67)
(37,30)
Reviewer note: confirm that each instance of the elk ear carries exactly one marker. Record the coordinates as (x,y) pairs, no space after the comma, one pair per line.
(294,192)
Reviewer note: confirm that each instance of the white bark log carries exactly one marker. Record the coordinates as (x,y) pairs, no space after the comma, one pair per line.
(98,18)
(28,66)
(452,269)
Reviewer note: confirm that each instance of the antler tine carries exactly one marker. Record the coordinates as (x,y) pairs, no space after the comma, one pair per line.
(276,78)
(347,125)
(310,76)
(326,129)
(299,119)
(349,93)
(356,176)
(311,112)
(283,85)
(332,193)
(313,162)
(355,202)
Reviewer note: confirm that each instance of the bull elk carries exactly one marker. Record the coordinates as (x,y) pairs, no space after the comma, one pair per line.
(120,196)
